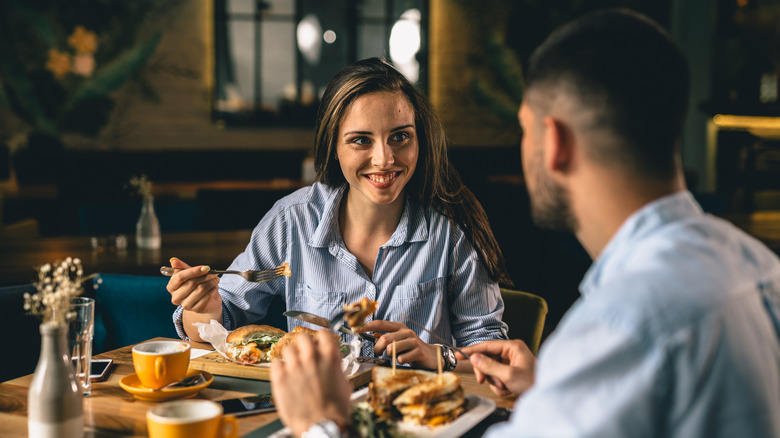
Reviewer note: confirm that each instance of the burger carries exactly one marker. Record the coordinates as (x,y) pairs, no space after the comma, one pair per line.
(251,343)
(277,351)
(416,396)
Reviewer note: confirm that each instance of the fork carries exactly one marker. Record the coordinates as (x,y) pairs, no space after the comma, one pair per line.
(253,276)
(337,321)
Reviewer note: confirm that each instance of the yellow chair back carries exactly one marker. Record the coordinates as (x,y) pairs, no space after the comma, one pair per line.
(524,313)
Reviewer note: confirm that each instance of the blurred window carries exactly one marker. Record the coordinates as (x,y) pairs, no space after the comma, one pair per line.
(274,58)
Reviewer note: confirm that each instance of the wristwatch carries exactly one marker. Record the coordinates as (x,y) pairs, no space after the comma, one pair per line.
(323,429)
(449,361)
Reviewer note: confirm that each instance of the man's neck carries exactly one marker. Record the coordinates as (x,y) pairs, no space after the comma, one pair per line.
(605,201)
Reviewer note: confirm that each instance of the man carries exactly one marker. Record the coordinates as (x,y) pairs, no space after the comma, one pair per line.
(677,330)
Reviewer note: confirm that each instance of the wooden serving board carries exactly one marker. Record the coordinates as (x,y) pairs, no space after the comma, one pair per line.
(217,364)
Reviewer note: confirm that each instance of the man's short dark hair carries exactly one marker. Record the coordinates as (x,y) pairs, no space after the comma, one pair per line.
(626,68)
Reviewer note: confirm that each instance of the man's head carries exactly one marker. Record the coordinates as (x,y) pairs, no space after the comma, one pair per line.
(616,79)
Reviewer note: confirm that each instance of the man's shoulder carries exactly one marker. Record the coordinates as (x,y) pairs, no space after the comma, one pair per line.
(682,272)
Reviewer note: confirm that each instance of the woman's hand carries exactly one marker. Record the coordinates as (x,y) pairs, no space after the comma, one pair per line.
(197,292)
(411,349)
(308,386)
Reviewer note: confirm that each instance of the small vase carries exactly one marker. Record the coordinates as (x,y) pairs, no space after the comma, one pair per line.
(147,229)
(54,402)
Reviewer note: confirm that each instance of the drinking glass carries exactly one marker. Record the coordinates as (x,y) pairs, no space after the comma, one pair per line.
(80,334)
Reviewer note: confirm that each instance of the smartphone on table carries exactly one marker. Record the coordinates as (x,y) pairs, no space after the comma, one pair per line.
(248,405)
(99,369)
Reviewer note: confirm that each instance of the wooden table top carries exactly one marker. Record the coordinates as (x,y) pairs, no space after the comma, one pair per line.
(19,257)
(110,411)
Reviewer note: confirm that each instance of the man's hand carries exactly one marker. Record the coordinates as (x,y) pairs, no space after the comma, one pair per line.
(411,349)
(308,386)
(507,365)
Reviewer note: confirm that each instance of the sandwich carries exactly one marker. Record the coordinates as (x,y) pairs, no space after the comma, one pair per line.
(432,403)
(358,312)
(415,396)
(251,343)
(385,386)
(277,351)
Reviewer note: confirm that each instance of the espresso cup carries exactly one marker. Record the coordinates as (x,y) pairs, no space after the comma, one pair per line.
(190,419)
(159,363)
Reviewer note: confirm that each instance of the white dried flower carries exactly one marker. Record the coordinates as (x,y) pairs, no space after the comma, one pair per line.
(142,186)
(57,284)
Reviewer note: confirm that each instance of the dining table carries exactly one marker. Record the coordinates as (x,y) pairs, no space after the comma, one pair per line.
(110,411)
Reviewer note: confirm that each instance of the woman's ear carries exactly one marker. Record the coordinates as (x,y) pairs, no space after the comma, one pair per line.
(557,144)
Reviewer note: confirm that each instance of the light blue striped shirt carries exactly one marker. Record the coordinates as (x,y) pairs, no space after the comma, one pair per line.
(677,334)
(428,271)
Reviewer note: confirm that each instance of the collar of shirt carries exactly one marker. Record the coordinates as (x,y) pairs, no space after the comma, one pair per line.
(647,219)
(413,226)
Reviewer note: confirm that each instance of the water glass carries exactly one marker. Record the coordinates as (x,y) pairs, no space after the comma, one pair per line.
(80,334)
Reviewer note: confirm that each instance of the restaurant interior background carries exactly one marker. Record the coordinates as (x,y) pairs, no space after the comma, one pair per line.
(214,100)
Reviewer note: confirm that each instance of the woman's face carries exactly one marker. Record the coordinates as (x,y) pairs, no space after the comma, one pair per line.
(377,146)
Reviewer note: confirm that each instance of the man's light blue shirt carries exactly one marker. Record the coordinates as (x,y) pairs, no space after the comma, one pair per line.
(675,335)
(428,271)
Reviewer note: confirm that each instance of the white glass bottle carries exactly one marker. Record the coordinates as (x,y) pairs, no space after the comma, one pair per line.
(54,402)
(147,229)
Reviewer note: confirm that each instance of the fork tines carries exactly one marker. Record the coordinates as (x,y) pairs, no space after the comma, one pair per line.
(272,274)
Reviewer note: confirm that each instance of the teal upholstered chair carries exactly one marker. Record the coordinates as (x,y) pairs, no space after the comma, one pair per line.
(21,336)
(130,309)
(524,313)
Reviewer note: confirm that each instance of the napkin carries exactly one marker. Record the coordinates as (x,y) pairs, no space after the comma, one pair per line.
(215,334)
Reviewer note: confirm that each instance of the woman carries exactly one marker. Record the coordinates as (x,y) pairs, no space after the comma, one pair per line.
(387,219)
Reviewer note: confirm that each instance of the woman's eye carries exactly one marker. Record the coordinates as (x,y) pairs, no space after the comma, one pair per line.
(399,136)
(361,141)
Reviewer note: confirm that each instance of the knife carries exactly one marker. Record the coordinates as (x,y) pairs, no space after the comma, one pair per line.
(323,322)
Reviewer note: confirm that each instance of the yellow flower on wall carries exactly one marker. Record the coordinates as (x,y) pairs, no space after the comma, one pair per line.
(58,63)
(83,40)
(83,64)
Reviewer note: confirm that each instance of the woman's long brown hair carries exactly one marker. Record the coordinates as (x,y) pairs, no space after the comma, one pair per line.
(435,182)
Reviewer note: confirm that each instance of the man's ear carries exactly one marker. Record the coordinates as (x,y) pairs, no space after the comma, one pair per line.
(557,144)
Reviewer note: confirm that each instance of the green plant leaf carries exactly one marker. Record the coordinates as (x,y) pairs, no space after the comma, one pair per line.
(28,107)
(116,73)
(5,102)
(494,101)
(507,68)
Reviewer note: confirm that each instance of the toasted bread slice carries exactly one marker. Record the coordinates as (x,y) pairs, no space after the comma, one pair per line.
(433,402)
(385,386)
(429,390)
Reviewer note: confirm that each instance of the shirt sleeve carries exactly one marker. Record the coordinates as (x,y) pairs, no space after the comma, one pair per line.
(593,380)
(476,307)
(244,302)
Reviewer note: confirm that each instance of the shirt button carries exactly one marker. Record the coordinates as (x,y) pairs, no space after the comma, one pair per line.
(371,287)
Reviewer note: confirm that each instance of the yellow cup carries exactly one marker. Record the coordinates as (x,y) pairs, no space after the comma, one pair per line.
(190,419)
(159,363)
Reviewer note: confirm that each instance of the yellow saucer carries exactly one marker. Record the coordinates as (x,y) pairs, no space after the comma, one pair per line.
(131,384)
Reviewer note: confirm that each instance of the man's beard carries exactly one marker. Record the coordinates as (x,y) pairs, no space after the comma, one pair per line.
(550,204)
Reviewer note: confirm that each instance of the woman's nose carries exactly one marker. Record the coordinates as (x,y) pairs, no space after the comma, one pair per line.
(382,156)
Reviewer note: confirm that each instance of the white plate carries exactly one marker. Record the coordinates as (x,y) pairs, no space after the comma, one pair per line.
(479,408)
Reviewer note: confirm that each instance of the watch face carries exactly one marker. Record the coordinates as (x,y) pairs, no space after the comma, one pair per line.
(449,358)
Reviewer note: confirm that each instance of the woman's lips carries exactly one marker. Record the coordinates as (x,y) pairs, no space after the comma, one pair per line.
(382,179)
